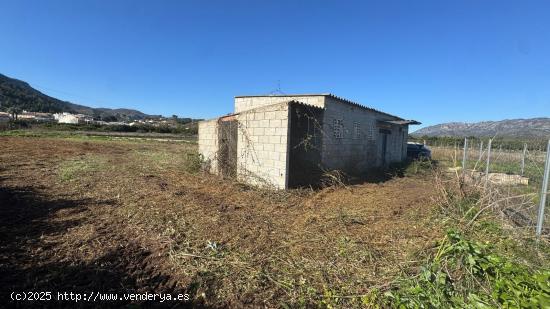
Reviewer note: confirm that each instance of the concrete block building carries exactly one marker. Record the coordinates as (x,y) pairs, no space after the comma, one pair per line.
(285,141)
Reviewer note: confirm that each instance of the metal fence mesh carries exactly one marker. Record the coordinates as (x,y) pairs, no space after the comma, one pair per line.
(510,174)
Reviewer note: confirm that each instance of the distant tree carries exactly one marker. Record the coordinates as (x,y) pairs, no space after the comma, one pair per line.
(175,117)
(14,111)
(109,118)
(185,120)
(96,115)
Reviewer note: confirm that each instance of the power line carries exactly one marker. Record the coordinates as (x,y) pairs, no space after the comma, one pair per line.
(87,100)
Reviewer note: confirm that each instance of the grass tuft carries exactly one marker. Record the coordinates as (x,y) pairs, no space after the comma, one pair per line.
(468,274)
(71,170)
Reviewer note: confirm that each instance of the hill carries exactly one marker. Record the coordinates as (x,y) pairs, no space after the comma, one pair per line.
(512,128)
(17,93)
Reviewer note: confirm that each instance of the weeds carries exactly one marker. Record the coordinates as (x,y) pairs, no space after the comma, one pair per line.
(72,169)
(194,162)
(229,244)
(334,178)
(98,135)
(466,273)
(188,160)
(416,167)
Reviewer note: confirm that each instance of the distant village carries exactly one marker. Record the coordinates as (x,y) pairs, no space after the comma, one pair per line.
(70,118)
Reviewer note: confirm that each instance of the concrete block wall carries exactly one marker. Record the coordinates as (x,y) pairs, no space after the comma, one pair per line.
(262,148)
(263,136)
(359,148)
(349,153)
(248,103)
(208,143)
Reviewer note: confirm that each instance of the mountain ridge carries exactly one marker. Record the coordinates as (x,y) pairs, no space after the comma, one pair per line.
(20,94)
(521,127)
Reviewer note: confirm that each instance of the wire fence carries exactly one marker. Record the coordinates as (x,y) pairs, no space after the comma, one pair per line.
(513,177)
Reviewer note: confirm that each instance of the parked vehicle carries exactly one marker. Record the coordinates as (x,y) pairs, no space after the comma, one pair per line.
(418,151)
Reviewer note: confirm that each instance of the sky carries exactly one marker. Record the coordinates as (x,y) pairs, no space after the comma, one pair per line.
(432,61)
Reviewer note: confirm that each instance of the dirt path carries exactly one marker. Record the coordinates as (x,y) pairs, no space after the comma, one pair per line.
(126,217)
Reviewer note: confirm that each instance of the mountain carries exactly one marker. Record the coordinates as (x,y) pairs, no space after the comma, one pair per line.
(17,93)
(525,128)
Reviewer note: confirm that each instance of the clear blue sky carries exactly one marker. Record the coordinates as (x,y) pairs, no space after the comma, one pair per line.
(434,61)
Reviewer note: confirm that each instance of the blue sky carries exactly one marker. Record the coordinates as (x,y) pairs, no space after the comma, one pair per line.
(434,61)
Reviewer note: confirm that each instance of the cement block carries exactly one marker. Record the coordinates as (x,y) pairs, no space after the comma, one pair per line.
(259,116)
(270,131)
(264,123)
(259,131)
(274,139)
(275,123)
(270,115)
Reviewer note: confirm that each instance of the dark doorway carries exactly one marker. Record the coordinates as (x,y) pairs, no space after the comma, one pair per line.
(227,141)
(304,168)
(384,148)
(384,145)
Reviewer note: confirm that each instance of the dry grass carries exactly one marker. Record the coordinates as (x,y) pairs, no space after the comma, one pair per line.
(135,213)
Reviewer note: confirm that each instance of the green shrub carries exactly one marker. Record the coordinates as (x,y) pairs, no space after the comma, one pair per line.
(415,167)
(467,274)
(193,162)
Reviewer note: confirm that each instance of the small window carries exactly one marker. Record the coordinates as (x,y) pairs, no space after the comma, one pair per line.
(338,128)
(370,132)
(356,130)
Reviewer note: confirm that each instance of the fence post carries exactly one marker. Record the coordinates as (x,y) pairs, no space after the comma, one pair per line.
(464,157)
(523,158)
(480,151)
(455,155)
(544,191)
(488,162)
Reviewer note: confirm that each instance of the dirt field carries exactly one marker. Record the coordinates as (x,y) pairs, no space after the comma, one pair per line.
(129,216)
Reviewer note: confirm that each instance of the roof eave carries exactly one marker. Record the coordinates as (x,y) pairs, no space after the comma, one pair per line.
(325,95)
(285,95)
(402,122)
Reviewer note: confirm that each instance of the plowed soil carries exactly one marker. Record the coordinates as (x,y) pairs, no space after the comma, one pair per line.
(116,216)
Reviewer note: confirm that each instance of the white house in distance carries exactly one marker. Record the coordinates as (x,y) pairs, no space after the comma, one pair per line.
(72,118)
(36,116)
(25,115)
(285,141)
